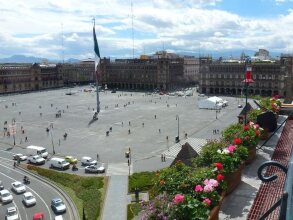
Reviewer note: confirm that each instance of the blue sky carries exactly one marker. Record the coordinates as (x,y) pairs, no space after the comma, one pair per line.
(38,27)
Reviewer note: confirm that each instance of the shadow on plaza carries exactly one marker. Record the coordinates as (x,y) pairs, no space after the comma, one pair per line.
(92,121)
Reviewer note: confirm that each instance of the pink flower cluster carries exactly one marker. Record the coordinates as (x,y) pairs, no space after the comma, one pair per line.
(178,198)
(209,185)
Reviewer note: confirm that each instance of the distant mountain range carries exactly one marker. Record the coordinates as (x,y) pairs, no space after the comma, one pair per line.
(31,59)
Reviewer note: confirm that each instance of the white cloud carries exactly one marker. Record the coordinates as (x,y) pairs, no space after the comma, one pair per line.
(183,25)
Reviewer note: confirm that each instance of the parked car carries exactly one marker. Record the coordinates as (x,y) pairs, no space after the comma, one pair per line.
(18,187)
(38,216)
(58,205)
(1,185)
(94,169)
(71,159)
(21,157)
(36,160)
(5,196)
(59,163)
(86,161)
(29,199)
(11,213)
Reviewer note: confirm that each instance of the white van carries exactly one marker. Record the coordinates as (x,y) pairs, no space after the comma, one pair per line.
(36,150)
(59,163)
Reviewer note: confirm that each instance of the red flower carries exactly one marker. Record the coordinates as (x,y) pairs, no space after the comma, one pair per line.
(237,141)
(219,166)
(220,177)
(245,127)
(257,133)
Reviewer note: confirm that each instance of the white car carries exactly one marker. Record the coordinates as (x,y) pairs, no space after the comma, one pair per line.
(87,161)
(12,213)
(58,217)
(21,157)
(5,196)
(36,160)
(18,187)
(29,199)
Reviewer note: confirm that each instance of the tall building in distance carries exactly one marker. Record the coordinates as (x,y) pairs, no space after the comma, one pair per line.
(29,77)
(226,78)
(162,70)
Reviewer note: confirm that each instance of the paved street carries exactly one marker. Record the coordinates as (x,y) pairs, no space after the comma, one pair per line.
(43,193)
(147,117)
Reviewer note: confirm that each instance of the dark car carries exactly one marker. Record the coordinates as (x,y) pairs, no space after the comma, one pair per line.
(94,169)
(1,185)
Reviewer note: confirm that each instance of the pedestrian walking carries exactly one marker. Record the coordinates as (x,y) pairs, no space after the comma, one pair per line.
(128,131)
(155,116)
(129,123)
(142,124)
(167,138)
(59,142)
(23,131)
(162,158)
(159,130)
(26,140)
(98,157)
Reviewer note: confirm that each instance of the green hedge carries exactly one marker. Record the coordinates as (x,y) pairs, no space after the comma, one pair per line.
(86,188)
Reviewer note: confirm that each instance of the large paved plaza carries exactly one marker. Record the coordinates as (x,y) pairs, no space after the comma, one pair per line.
(150,119)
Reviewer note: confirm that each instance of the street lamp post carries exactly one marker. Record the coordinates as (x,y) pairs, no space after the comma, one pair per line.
(12,130)
(52,141)
(248,79)
(129,160)
(177,138)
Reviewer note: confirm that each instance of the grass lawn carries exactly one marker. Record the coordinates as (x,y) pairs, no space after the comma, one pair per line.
(86,192)
(144,181)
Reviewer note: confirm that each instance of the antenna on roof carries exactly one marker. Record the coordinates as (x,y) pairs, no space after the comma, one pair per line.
(132,30)
(62,43)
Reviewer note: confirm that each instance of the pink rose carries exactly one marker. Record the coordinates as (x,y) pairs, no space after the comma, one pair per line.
(231,148)
(207,201)
(198,188)
(178,198)
(208,188)
(213,182)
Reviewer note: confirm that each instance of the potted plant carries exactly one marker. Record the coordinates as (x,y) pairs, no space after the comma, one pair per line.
(228,160)
(193,196)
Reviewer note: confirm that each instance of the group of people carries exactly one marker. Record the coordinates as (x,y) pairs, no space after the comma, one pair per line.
(216,131)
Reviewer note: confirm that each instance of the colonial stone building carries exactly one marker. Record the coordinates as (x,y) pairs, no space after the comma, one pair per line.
(29,77)
(287,71)
(78,73)
(226,78)
(161,73)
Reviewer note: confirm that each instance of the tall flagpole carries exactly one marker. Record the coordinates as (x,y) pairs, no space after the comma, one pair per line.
(97,69)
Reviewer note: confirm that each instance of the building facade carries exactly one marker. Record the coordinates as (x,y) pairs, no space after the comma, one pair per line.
(29,77)
(287,71)
(148,74)
(226,79)
(78,73)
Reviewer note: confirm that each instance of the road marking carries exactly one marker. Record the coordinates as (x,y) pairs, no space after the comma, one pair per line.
(25,212)
(27,187)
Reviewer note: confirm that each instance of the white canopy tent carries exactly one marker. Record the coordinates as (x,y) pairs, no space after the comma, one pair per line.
(212,103)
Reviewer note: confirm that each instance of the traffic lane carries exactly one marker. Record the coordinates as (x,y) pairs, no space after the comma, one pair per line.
(44,193)
(9,175)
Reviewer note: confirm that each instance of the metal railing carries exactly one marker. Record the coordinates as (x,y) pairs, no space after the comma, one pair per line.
(285,202)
